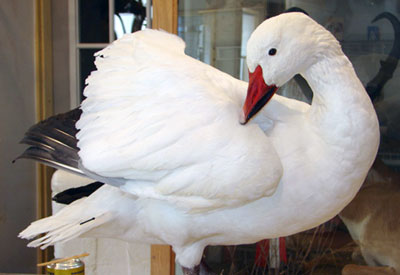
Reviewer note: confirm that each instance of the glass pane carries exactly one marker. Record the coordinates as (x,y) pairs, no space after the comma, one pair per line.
(93,21)
(129,16)
(216,32)
(86,66)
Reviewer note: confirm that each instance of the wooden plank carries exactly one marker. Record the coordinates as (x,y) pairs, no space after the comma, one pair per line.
(165,16)
(352,269)
(162,260)
(44,106)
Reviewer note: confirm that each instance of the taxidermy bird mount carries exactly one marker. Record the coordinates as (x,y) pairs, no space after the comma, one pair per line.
(164,129)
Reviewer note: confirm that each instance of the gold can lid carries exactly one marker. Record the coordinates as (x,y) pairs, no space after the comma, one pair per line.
(66,265)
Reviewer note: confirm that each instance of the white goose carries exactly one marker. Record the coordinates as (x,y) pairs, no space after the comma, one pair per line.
(164,128)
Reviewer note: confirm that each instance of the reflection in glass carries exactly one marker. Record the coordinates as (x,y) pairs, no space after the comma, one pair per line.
(218,36)
(93,21)
(129,16)
(216,32)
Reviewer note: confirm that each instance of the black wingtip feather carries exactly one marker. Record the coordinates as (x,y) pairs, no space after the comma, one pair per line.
(53,142)
(73,194)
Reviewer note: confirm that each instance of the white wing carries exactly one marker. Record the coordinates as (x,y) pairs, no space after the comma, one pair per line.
(168,125)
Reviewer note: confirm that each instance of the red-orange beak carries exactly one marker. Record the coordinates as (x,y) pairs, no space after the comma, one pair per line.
(258,94)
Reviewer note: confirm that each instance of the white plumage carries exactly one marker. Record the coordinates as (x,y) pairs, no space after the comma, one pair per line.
(165,129)
(169,126)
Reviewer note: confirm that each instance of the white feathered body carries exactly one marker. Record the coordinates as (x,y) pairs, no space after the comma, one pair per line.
(168,125)
(188,187)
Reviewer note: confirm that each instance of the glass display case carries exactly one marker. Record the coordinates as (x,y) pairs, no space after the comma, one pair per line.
(367,231)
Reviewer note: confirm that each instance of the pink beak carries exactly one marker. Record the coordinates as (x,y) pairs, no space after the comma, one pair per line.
(258,94)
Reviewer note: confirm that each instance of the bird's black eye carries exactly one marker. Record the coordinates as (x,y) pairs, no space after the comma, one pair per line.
(272,51)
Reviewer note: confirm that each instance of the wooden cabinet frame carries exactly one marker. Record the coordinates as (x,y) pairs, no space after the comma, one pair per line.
(165,16)
(44,108)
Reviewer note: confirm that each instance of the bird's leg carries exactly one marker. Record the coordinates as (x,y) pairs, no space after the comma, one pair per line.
(191,271)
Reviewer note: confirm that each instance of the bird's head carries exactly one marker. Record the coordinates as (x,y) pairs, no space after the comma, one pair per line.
(278,49)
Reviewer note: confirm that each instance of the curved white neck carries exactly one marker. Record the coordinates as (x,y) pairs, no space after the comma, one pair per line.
(341,108)
(336,87)
(342,116)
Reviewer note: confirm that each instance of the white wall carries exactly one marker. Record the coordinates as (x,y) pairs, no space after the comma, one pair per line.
(17,113)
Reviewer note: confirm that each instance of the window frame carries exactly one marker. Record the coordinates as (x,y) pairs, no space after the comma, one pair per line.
(75,46)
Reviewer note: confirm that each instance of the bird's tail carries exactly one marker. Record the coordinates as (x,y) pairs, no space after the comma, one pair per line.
(69,223)
(53,142)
